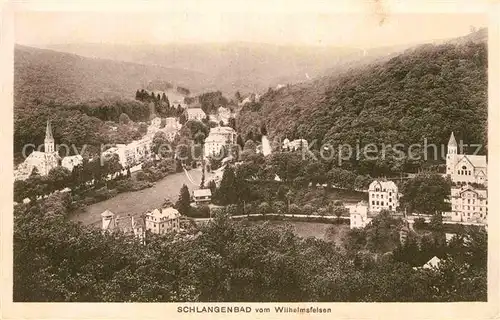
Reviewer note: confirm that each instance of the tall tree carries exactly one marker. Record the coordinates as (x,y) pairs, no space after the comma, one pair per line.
(426,193)
(183,204)
(226,193)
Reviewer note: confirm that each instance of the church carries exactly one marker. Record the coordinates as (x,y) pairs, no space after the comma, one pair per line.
(46,160)
(463,168)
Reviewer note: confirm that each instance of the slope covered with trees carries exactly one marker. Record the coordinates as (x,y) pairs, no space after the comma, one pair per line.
(51,76)
(424,93)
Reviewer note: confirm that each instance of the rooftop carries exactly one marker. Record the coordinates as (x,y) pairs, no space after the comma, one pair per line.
(164,213)
(202,193)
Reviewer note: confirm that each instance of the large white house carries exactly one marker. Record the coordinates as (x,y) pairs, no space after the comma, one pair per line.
(195,114)
(217,138)
(223,114)
(383,195)
(469,204)
(163,220)
(465,168)
(359,215)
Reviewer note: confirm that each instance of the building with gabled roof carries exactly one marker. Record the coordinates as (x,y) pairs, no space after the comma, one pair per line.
(163,220)
(42,161)
(463,168)
(128,225)
(469,204)
(195,114)
(202,196)
(383,195)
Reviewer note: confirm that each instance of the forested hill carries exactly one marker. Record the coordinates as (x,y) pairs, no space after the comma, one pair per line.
(426,92)
(56,77)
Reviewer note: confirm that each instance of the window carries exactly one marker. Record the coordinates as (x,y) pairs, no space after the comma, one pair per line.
(377,203)
(468,200)
(464,167)
(373,202)
(390,193)
(390,199)
(382,203)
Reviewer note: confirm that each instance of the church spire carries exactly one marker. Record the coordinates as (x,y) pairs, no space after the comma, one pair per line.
(452,142)
(49,139)
(48,132)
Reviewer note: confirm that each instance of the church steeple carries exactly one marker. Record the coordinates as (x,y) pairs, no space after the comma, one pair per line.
(49,139)
(451,157)
(452,144)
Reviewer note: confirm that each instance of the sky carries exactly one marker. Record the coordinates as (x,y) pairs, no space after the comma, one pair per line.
(358,23)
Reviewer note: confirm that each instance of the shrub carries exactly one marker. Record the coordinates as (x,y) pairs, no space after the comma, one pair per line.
(130,185)
(264,208)
(250,208)
(338,203)
(204,211)
(294,209)
(419,223)
(322,211)
(141,176)
(199,212)
(232,209)
(279,207)
(307,209)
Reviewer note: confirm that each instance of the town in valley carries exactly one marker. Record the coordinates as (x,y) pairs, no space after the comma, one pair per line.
(239,172)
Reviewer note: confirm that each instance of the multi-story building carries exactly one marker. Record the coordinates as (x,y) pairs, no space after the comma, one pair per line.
(223,114)
(469,203)
(127,225)
(163,220)
(463,168)
(195,114)
(359,215)
(219,137)
(134,152)
(383,195)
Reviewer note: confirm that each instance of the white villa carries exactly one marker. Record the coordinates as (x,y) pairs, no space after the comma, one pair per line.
(134,152)
(465,168)
(359,215)
(223,114)
(469,204)
(383,195)
(72,161)
(195,114)
(163,220)
(217,138)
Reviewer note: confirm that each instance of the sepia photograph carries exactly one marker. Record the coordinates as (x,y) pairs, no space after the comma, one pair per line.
(203,154)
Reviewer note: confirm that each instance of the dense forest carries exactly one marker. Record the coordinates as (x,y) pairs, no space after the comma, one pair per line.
(51,76)
(57,260)
(425,93)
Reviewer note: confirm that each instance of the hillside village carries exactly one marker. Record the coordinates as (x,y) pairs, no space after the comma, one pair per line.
(220,183)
